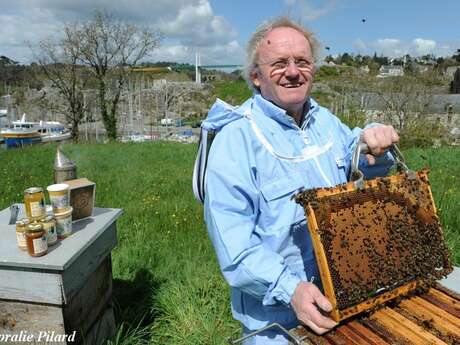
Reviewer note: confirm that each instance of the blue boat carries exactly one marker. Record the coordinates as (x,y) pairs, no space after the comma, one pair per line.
(18,137)
(24,132)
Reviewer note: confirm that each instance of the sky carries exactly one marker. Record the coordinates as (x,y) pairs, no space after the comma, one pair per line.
(220,29)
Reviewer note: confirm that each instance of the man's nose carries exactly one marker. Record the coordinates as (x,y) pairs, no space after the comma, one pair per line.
(291,69)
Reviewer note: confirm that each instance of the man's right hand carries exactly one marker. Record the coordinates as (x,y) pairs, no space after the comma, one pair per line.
(306,300)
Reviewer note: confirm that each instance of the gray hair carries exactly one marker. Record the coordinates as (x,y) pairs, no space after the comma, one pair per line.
(252,49)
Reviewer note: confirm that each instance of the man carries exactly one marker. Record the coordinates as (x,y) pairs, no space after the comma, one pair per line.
(277,142)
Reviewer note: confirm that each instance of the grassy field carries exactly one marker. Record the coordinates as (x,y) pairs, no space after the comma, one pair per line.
(167,285)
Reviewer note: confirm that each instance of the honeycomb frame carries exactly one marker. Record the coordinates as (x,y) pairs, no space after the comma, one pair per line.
(375,243)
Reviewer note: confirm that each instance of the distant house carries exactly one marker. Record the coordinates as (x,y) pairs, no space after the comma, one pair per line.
(390,71)
(443,109)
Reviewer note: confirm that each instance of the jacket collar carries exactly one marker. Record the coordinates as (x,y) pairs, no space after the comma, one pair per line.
(278,114)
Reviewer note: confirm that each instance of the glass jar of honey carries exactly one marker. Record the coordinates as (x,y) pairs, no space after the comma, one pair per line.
(21,234)
(34,201)
(49,225)
(37,244)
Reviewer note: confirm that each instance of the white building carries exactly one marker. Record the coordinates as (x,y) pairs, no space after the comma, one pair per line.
(390,71)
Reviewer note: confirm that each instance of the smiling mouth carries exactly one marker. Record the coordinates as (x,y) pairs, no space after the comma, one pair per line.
(291,86)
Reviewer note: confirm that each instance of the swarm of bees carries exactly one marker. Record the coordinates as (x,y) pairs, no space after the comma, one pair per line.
(377,238)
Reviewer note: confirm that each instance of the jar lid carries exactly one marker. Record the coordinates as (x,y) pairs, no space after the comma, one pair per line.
(67,212)
(34,227)
(33,190)
(47,219)
(20,222)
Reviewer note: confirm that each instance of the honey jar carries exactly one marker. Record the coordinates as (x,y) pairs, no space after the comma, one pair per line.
(37,244)
(49,225)
(21,234)
(64,223)
(34,201)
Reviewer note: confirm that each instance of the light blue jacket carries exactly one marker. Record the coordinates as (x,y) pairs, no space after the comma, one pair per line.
(257,161)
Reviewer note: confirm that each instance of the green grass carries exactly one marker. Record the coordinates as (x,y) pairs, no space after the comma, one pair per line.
(234,92)
(444,166)
(165,274)
(167,285)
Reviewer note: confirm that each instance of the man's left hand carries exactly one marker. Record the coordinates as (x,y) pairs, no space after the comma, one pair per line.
(378,139)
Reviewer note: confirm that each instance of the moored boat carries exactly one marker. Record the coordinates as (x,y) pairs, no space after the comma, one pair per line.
(53,131)
(18,137)
(24,132)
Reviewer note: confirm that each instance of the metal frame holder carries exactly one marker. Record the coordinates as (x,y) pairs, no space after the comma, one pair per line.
(14,210)
(357,176)
(295,339)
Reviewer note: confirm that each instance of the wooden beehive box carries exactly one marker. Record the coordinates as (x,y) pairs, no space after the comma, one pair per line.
(82,194)
(376,243)
(430,318)
(67,290)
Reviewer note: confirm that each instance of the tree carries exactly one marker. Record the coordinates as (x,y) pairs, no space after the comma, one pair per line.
(5,61)
(329,59)
(14,74)
(439,61)
(58,61)
(403,97)
(347,59)
(381,60)
(457,56)
(455,84)
(406,101)
(110,48)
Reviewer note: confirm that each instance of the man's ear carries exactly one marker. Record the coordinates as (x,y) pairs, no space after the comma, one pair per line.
(255,78)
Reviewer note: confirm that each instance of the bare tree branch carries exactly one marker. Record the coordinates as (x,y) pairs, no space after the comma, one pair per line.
(109,47)
(58,61)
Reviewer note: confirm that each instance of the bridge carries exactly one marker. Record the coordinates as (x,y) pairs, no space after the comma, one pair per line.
(198,68)
(221,66)
(171,68)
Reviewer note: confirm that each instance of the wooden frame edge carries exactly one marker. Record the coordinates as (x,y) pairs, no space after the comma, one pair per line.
(378,300)
(322,263)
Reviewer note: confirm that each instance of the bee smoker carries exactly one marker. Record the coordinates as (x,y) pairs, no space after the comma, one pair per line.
(64,168)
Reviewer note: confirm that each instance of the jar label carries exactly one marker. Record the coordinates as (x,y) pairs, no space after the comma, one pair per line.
(37,208)
(21,238)
(51,235)
(64,226)
(40,245)
(60,201)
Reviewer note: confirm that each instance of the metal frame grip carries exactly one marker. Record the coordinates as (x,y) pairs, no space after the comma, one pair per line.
(357,176)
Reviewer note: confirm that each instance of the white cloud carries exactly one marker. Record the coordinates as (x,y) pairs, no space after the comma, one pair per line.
(185,23)
(391,47)
(423,47)
(196,25)
(17,31)
(230,53)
